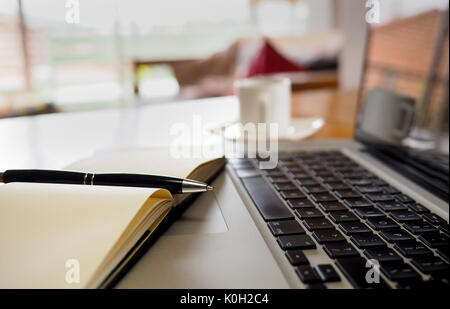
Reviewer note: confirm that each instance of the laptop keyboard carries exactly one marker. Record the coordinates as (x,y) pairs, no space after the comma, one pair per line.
(326,201)
(429,170)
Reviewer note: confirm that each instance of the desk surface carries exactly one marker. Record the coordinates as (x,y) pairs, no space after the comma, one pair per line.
(56,140)
(337,108)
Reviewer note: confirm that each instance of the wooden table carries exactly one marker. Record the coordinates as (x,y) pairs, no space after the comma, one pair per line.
(338,108)
(312,80)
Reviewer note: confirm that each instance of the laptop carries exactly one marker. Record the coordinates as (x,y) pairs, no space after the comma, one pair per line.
(365,213)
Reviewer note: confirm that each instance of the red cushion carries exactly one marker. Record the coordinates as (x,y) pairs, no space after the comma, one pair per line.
(269,60)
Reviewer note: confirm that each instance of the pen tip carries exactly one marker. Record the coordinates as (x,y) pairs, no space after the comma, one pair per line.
(209,188)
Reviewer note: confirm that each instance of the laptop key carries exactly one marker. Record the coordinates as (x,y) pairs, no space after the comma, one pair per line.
(296,169)
(338,186)
(296,257)
(359,182)
(289,163)
(340,249)
(270,206)
(420,227)
(286,227)
(382,224)
(399,271)
(368,189)
(315,189)
(352,174)
(411,249)
(351,228)
(434,240)
(315,166)
(431,265)
(368,240)
(343,167)
(366,213)
(380,197)
(318,224)
(355,270)
(434,219)
(403,198)
(418,208)
(307,182)
(296,242)
(396,236)
(301,175)
(327,273)
(321,171)
(300,203)
(383,255)
(323,197)
(347,194)
(332,206)
(327,236)
(285,187)
(357,203)
(279,179)
(307,274)
(306,213)
(343,216)
(329,179)
(392,206)
(405,216)
(292,194)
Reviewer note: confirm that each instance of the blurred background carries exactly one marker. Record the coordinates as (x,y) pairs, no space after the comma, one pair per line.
(76,55)
(126,52)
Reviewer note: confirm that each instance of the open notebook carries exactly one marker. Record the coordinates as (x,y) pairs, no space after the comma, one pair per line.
(51,235)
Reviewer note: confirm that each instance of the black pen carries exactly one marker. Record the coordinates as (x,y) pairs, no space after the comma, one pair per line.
(174,185)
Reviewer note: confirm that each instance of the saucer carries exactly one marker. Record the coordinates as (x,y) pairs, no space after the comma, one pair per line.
(299,129)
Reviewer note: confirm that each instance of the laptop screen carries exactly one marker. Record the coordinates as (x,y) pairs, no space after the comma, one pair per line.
(403,98)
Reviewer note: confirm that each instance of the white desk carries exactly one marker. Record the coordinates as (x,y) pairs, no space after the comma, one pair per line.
(56,140)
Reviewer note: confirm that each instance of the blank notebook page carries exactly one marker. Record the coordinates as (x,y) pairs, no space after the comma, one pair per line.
(44,225)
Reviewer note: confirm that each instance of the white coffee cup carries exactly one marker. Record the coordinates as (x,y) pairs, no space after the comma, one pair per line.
(265,100)
(386,115)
